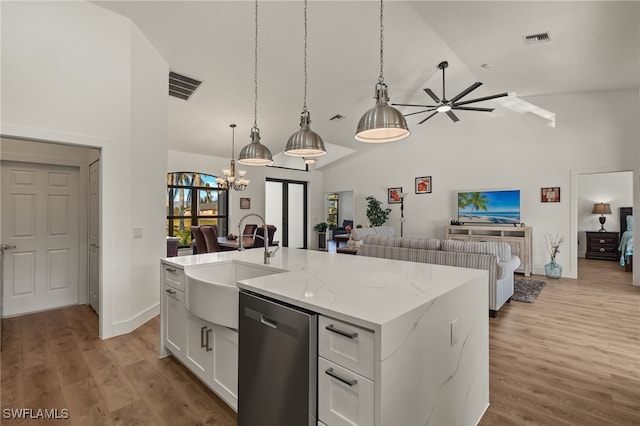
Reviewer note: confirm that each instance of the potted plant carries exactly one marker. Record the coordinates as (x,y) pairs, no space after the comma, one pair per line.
(322,234)
(377,215)
(321,227)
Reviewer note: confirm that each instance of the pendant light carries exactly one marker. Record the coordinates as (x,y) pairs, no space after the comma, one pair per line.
(305,142)
(230,181)
(382,123)
(255,154)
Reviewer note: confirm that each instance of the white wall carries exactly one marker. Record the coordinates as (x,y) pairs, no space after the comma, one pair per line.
(613,188)
(69,75)
(497,151)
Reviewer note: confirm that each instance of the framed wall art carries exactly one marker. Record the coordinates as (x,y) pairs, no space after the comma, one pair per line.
(393,195)
(245,203)
(423,185)
(550,195)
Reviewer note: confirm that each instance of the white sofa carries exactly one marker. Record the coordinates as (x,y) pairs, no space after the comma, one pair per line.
(494,257)
(357,234)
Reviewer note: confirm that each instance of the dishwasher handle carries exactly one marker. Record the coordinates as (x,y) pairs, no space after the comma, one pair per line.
(268,321)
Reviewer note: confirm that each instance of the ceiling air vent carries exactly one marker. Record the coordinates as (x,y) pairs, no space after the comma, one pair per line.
(181,86)
(537,38)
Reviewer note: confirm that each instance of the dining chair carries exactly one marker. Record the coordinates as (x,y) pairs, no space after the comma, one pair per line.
(211,238)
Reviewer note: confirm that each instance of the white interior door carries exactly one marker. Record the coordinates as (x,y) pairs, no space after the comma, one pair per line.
(40,218)
(94,236)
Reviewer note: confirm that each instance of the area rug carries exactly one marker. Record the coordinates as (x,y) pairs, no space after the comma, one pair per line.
(526,290)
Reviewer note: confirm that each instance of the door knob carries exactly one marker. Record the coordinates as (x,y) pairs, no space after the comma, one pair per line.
(7,246)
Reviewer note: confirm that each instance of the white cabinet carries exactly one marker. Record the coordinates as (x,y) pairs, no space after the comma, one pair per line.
(518,237)
(198,345)
(212,355)
(223,367)
(174,320)
(209,350)
(345,373)
(344,397)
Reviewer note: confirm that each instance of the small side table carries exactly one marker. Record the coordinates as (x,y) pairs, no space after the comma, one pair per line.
(602,245)
(342,238)
(347,250)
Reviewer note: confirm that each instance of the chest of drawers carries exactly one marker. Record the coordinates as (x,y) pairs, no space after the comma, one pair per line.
(602,245)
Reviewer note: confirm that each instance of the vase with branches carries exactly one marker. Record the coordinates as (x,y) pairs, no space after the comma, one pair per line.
(553,269)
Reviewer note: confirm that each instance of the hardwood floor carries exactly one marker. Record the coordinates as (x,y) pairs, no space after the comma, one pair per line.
(54,360)
(571,358)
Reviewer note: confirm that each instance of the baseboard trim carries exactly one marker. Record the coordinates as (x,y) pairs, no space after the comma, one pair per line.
(127,326)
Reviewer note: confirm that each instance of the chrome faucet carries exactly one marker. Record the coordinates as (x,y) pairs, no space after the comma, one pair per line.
(267,254)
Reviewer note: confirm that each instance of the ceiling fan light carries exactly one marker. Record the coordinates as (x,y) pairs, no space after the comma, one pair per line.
(444,108)
(254,153)
(305,142)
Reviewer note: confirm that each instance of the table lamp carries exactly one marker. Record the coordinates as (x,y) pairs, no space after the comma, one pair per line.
(601,209)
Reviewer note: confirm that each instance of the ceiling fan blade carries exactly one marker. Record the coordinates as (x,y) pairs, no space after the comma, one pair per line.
(472,108)
(486,98)
(428,117)
(433,95)
(419,112)
(465,92)
(415,105)
(452,116)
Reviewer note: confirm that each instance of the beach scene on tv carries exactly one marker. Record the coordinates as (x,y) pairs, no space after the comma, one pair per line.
(489,207)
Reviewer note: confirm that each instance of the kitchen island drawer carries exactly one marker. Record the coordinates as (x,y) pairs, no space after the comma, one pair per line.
(344,397)
(173,277)
(346,344)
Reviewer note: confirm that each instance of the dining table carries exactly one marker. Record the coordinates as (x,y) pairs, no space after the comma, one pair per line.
(248,243)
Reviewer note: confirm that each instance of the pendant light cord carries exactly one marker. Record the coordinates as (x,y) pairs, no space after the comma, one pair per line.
(304,109)
(233,141)
(255,74)
(381,77)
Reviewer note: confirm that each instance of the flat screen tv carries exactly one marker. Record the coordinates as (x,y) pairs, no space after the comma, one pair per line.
(501,207)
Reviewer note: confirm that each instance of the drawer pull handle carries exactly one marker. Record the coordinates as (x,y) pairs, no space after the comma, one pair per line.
(602,250)
(602,241)
(202,342)
(346,381)
(170,291)
(350,335)
(171,269)
(208,333)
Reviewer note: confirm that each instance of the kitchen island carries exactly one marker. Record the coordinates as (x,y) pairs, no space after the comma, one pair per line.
(427,326)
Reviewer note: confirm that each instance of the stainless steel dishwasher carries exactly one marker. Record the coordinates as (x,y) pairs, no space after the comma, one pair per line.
(277,363)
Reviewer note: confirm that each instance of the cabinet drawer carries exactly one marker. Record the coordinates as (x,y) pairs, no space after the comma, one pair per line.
(173,276)
(603,240)
(344,397)
(346,344)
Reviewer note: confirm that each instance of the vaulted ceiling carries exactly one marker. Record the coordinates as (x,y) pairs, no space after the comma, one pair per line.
(594,46)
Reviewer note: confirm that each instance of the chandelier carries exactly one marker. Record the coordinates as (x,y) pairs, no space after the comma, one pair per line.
(230,181)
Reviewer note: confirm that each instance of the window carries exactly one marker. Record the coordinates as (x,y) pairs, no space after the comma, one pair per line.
(194,199)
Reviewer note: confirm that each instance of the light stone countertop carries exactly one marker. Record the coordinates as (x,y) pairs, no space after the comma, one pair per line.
(367,291)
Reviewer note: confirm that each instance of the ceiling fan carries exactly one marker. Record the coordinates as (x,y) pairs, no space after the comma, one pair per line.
(448,105)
